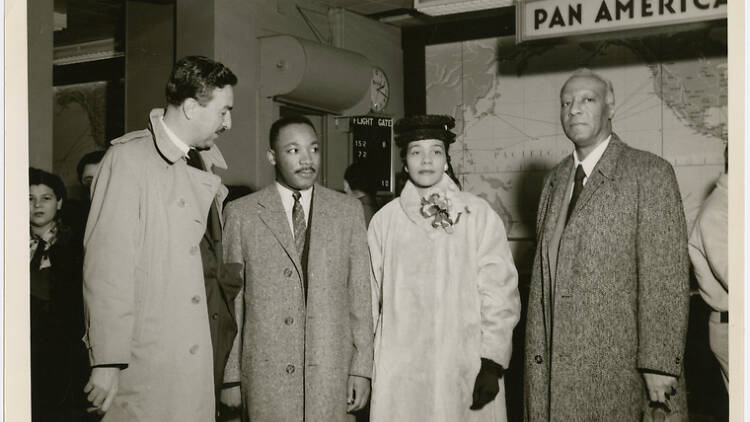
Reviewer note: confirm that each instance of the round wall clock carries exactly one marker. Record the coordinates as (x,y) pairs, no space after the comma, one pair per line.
(379,90)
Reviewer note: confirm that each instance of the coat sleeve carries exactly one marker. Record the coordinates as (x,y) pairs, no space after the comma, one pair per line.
(112,241)
(497,282)
(375,245)
(235,268)
(663,271)
(708,252)
(360,299)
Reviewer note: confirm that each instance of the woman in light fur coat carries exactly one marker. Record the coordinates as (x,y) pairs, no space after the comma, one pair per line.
(445,296)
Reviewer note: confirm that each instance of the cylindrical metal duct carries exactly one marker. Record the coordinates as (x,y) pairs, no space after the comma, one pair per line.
(313,75)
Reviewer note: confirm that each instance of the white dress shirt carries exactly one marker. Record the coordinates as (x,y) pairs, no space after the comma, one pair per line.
(287,200)
(590,161)
(174,138)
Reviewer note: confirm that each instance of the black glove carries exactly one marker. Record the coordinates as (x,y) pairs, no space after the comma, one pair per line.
(486,385)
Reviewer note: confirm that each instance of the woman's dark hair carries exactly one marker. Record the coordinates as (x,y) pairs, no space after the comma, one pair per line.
(197,77)
(53,181)
(403,176)
(427,126)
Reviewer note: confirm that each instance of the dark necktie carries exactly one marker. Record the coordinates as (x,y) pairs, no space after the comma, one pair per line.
(298,221)
(36,259)
(577,188)
(213,226)
(194,159)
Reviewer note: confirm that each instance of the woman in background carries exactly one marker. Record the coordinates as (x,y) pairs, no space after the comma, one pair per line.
(59,363)
(445,296)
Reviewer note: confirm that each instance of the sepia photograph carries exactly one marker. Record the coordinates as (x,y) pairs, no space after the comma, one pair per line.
(374,210)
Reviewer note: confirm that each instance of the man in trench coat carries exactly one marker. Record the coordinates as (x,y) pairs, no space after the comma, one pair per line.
(608,302)
(305,314)
(145,299)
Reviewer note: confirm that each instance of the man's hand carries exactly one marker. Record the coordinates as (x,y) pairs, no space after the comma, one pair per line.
(102,388)
(231,397)
(359,393)
(659,386)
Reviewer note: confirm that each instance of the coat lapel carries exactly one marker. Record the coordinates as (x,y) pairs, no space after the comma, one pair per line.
(271,213)
(558,187)
(556,196)
(321,222)
(602,173)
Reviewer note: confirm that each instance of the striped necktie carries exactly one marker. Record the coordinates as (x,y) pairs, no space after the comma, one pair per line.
(298,221)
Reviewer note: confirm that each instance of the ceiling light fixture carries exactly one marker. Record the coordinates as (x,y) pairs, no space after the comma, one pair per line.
(448,7)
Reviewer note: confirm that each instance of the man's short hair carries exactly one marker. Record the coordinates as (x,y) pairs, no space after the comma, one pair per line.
(197,77)
(53,181)
(362,176)
(93,157)
(588,73)
(284,122)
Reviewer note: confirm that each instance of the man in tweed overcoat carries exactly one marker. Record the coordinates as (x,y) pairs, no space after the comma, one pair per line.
(608,301)
(305,313)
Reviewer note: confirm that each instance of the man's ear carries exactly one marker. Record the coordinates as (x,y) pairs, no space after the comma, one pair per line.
(271,156)
(188,107)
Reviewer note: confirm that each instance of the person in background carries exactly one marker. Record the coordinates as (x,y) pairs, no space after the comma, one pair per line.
(608,300)
(59,364)
(445,291)
(87,167)
(305,349)
(76,211)
(360,183)
(148,328)
(708,246)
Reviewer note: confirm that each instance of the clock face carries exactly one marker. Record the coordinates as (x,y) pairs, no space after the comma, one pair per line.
(379,90)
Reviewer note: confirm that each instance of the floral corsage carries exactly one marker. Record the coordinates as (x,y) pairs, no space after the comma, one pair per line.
(442,211)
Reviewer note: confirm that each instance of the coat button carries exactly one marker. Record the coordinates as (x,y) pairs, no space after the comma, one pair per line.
(215,315)
(290,369)
(287,272)
(196,299)
(677,361)
(193,349)
(538,359)
(194,250)
(181,203)
(289,321)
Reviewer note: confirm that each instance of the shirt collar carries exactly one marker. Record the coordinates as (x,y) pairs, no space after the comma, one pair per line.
(182,146)
(286,193)
(287,201)
(49,236)
(590,161)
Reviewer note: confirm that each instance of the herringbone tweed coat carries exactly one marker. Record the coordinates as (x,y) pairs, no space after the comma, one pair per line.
(620,300)
(296,357)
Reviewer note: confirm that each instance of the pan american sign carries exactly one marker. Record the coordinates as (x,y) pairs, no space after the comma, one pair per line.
(537,19)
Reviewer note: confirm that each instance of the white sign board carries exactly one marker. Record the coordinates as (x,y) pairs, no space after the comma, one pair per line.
(538,19)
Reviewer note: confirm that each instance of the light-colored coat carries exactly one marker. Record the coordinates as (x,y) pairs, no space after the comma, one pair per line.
(143,281)
(296,357)
(620,300)
(447,300)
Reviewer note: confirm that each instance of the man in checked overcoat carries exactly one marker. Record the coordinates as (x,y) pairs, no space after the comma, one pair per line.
(304,311)
(608,301)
